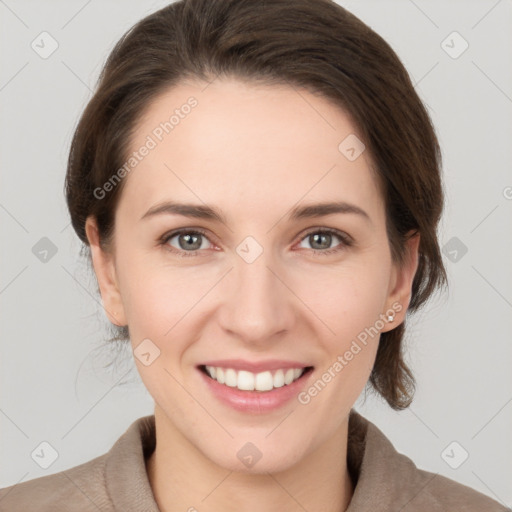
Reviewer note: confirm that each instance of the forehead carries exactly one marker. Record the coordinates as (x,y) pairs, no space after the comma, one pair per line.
(246,144)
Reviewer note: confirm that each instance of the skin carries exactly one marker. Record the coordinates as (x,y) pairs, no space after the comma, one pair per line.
(254,152)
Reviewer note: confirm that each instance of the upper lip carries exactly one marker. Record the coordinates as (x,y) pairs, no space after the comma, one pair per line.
(255,367)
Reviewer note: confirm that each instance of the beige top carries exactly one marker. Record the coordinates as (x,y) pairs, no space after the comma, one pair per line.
(385,479)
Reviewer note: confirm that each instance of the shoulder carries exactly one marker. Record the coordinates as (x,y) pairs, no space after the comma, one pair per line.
(389,480)
(116,480)
(80,488)
(435,492)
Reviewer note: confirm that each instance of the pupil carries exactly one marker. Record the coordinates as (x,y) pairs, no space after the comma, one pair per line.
(325,236)
(190,242)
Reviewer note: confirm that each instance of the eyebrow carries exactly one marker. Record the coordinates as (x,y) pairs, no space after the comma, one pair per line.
(207,212)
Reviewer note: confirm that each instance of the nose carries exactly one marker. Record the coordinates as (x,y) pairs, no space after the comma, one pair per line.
(257,305)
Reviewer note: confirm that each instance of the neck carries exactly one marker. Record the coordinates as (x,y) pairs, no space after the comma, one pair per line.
(182,478)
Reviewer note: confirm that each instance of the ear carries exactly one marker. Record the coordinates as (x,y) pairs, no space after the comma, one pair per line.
(103,263)
(400,290)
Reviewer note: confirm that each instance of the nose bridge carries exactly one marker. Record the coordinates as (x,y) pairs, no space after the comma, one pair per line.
(258,304)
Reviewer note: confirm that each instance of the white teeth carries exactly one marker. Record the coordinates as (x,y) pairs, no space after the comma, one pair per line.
(279,379)
(231,379)
(245,380)
(248,381)
(264,381)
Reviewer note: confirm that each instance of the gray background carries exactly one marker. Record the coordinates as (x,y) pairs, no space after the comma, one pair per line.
(53,384)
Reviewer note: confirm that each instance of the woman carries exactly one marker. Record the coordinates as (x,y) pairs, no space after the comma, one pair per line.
(259,186)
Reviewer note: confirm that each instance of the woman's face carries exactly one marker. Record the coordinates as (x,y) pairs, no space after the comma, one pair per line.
(266,284)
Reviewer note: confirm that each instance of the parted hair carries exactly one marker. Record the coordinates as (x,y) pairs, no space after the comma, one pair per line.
(314,44)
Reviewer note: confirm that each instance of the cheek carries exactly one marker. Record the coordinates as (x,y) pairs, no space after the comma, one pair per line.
(349,308)
(347,299)
(158,298)
(157,295)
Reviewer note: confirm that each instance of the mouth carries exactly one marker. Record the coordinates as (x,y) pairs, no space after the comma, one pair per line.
(260,382)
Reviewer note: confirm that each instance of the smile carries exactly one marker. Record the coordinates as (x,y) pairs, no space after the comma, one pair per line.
(249,381)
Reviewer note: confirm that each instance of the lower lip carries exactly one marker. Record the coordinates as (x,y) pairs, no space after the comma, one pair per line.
(256,402)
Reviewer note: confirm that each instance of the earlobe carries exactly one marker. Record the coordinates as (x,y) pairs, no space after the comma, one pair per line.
(104,269)
(401,290)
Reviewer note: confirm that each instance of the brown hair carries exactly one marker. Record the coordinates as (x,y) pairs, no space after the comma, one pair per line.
(315,44)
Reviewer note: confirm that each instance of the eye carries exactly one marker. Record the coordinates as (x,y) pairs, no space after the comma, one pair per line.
(188,241)
(321,239)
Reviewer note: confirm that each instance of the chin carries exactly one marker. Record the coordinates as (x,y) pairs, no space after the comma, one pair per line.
(249,459)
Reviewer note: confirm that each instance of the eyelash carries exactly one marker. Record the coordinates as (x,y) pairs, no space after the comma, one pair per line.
(345,239)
